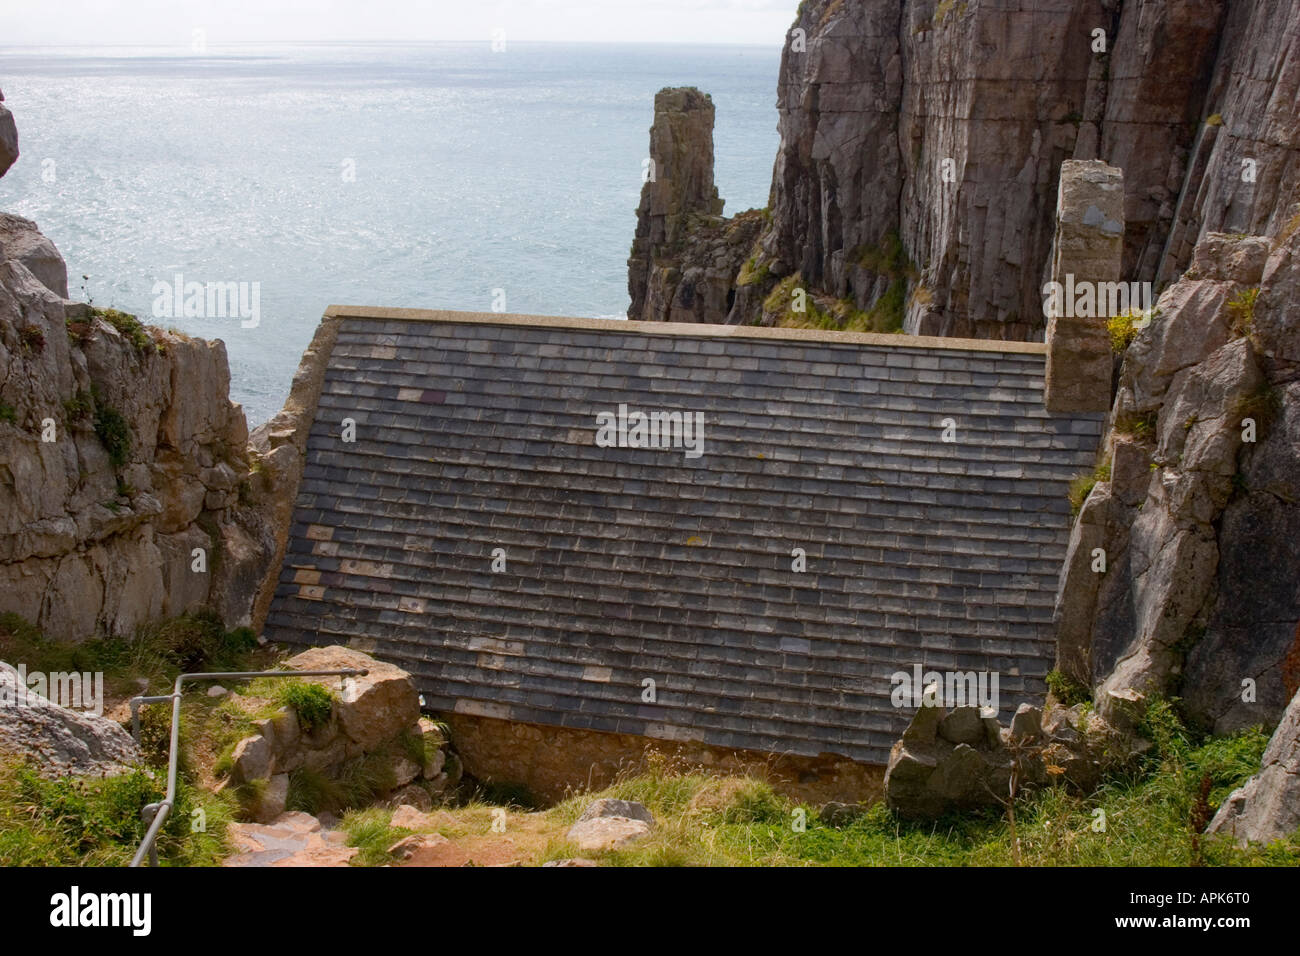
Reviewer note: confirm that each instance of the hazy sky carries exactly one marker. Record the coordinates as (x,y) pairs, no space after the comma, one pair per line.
(173,22)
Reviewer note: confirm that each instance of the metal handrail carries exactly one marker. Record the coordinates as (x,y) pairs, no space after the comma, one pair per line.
(155,814)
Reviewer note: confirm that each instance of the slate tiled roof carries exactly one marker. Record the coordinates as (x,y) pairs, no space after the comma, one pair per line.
(476,433)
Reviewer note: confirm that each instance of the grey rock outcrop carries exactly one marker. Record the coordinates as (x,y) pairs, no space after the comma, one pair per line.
(62,741)
(943,126)
(1267,807)
(120,455)
(685,256)
(1200,517)
(22,241)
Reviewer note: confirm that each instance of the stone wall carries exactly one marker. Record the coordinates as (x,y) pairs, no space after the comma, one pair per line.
(553,762)
(1086,252)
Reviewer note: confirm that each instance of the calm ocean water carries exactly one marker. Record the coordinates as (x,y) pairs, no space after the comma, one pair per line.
(472,171)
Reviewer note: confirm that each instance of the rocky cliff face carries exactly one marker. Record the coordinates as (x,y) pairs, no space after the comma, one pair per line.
(921,143)
(1197,518)
(128,488)
(125,484)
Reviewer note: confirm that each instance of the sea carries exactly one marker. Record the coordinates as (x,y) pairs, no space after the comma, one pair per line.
(437,176)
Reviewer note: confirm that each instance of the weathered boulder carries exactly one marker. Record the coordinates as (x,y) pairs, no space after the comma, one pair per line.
(62,742)
(22,240)
(1267,807)
(373,708)
(609,824)
(609,807)
(607,833)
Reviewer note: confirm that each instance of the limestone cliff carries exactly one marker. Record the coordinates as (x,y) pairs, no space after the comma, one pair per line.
(921,143)
(1181,577)
(120,455)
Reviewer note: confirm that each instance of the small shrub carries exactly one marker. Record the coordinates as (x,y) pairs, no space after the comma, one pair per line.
(8,414)
(79,406)
(1137,425)
(114,433)
(1066,689)
(1122,330)
(311,702)
(32,338)
(1214,119)
(1241,308)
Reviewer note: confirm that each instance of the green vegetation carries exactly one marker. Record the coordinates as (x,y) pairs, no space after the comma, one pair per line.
(8,413)
(1263,405)
(313,703)
(1123,329)
(156,653)
(1241,309)
(131,328)
(32,339)
(370,832)
(1082,486)
(114,432)
(79,406)
(357,783)
(1137,425)
(96,822)
(1066,689)
(752,272)
(706,820)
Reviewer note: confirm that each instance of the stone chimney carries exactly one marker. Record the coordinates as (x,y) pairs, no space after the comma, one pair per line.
(1088,248)
(680,183)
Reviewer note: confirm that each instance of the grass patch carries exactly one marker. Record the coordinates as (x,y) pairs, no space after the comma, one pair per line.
(131,328)
(706,820)
(96,822)
(371,833)
(1082,486)
(752,272)
(358,783)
